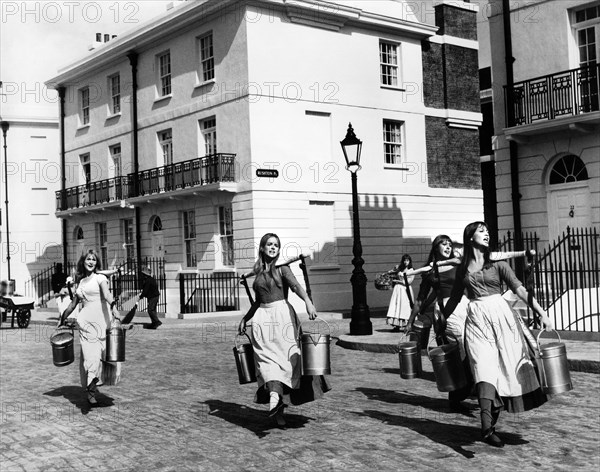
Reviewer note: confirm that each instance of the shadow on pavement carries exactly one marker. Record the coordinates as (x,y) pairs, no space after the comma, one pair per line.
(77,397)
(429,376)
(454,436)
(435,404)
(252,419)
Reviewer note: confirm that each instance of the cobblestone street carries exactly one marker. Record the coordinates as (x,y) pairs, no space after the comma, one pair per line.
(180,407)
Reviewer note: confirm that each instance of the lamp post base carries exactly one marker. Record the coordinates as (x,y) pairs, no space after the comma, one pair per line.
(360,324)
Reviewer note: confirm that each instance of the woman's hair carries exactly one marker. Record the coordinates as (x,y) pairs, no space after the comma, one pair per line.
(468,253)
(401,266)
(81,271)
(259,265)
(433,254)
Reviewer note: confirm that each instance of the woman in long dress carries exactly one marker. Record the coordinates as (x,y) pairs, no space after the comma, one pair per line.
(496,341)
(97,308)
(274,334)
(399,310)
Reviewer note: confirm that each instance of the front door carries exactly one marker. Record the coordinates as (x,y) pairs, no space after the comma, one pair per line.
(568,205)
(158,245)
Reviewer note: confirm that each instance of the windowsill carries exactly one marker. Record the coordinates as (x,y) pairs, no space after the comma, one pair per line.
(394,167)
(205,83)
(82,127)
(391,87)
(226,270)
(163,98)
(112,117)
(323,267)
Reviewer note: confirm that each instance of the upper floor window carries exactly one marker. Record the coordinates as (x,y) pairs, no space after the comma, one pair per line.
(586,22)
(127,229)
(208,129)
(207,59)
(102,238)
(568,169)
(226,235)
(165,141)
(392,142)
(189,237)
(86,167)
(164,73)
(115,93)
(389,63)
(115,154)
(84,100)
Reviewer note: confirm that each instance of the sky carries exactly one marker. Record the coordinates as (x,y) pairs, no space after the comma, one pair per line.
(37,38)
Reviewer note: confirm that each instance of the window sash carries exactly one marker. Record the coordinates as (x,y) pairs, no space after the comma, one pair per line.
(128,237)
(189,237)
(115,91)
(388,58)
(115,154)
(209,133)
(226,235)
(166,145)
(164,66)
(85,105)
(207,59)
(392,142)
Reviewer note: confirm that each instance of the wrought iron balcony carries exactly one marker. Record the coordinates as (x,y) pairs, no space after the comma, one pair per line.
(568,93)
(197,172)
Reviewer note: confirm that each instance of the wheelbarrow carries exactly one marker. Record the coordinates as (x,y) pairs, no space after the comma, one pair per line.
(20,307)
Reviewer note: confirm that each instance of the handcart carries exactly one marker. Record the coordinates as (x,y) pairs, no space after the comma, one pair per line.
(19,306)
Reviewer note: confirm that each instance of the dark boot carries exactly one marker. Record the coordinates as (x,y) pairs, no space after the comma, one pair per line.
(488,422)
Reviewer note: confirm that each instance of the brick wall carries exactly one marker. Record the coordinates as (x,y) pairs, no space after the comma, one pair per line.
(452,155)
(462,78)
(434,91)
(456,22)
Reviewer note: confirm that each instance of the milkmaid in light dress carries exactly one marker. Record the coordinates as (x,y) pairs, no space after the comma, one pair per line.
(93,318)
(496,340)
(399,309)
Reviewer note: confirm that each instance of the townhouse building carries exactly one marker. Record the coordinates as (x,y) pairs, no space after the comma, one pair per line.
(194,134)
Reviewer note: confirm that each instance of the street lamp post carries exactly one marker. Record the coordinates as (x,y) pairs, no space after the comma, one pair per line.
(360,324)
(5,127)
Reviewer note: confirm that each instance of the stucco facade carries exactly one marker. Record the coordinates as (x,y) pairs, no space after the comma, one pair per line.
(287,81)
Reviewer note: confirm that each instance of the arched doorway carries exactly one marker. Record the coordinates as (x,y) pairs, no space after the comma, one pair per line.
(158,243)
(568,195)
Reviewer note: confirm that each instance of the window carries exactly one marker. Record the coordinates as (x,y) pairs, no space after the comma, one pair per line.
(115,154)
(392,142)
(84,100)
(568,169)
(322,233)
(79,234)
(388,58)
(115,93)
(156,224)
(587,35)
(226,235)
(86,168)
(164,73)
(208,128)
(128,238)
(189,237)
(102,239)
(207,60)
(165,141)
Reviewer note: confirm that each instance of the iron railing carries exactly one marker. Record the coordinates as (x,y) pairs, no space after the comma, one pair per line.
(566,281)
(39,286)
(571,92)
(192,173)
(209,292)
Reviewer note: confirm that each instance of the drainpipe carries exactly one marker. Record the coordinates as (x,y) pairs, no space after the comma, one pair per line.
(63,177)
(133,60)
(513,147)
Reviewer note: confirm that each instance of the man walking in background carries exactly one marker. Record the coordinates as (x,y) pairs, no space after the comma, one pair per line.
(152,293)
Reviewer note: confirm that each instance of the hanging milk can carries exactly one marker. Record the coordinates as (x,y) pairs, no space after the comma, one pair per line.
(316,357)
(244,361)
(554,367)
(62,347)
(447,367)
(409,355)
(115,342)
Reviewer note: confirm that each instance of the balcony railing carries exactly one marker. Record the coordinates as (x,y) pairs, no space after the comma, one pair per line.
(569,93)
(195,172)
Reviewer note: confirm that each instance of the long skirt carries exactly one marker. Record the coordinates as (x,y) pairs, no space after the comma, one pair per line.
(92,339)
(455,324)
(277,355)
(399,310)
(499,355)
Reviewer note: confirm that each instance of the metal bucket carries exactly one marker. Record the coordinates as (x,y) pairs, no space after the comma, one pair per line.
(316,356)
(115,343)
(554,367)
(62,347)
(447,367)
(420,333)
(244,361)
(409,356)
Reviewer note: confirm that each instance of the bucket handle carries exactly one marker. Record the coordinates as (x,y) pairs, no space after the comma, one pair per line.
(236,339)
(543,330)
(406,336)
(432,339)
(316,319)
